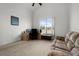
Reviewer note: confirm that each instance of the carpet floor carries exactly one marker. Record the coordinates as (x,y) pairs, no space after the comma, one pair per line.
(27,48)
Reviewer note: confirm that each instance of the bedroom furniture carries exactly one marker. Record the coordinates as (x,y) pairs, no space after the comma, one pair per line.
(68,47)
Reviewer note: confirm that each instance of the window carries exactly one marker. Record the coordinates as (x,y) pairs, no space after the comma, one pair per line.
(47,26)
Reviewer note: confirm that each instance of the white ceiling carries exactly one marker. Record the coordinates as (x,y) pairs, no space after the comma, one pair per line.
(27,5)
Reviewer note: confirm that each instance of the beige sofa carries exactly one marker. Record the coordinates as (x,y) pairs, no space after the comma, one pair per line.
(68,47)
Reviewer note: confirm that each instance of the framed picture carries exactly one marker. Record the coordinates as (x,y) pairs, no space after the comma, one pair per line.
(15,20)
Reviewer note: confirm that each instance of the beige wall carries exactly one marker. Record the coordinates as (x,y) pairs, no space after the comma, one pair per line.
(59,12)
(74,17)
(8,32)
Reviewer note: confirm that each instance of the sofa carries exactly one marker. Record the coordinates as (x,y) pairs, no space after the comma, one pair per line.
(67,47)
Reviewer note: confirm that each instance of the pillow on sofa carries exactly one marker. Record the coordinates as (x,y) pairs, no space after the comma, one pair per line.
(77,42)
(75,51)
(73,37)
(68,36)
(70,45)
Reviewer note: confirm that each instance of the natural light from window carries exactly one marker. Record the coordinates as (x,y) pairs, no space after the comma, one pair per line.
(47,26)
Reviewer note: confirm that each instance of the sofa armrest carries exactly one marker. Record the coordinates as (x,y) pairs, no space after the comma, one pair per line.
(59,53)
(60,38)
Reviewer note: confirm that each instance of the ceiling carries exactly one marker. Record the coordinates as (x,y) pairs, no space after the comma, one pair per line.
(28,5)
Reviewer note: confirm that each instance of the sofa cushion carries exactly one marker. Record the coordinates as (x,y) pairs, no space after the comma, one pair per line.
(75,51)
(73,37)
(60,42)
(61,49)
(68,36)
(70,45)
(58,53)
(54,41)
(61,45)
(77,42)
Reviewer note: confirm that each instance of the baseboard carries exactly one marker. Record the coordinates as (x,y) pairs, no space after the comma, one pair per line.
(8,45)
